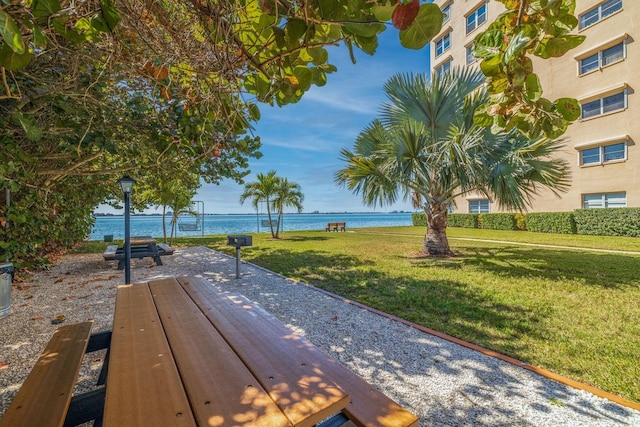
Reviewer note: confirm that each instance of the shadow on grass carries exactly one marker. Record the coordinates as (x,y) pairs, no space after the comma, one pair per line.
(589,268)
(446,305)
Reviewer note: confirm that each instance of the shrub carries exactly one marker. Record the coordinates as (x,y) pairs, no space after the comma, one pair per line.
(463,220)
(551,222)
(499,221)
(419,218)
(521,221)
(608,222)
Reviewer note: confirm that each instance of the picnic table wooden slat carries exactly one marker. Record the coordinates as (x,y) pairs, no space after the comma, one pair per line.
(144,387)
(204,358)
(295,379)
(367,407)
(57,371)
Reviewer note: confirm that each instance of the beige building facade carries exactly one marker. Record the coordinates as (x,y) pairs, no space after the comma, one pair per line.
(602,73)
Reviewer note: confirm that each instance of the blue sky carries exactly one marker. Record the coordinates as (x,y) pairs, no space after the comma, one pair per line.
(302,141)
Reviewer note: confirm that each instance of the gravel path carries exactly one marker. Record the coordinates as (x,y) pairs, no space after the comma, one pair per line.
(443,383)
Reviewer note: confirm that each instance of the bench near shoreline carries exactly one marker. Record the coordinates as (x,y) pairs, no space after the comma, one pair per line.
(336,226)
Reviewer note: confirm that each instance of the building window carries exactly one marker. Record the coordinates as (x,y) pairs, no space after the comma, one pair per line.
(476,18)
(599,12)
(603,154)
(443,43)
(443,68)
(446,11)
(603,58)
(604,200)
(470,57)
(607,104)
(479,206)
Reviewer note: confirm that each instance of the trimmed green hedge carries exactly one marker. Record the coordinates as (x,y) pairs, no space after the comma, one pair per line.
(599,222)
(463,220)
(551,222)
(499,221)
(608,222)
(419,218)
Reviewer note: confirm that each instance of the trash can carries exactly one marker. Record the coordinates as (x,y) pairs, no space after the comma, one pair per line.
(6,276)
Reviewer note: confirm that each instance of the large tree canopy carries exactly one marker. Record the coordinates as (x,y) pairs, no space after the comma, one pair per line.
(94,89)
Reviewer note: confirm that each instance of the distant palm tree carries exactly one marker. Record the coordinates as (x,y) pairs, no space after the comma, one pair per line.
(265,189)
(427,147)
(287,194)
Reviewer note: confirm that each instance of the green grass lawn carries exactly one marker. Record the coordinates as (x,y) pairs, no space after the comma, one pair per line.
(573,312)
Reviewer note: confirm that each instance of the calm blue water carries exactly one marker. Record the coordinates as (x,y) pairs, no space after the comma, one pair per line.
(148,225)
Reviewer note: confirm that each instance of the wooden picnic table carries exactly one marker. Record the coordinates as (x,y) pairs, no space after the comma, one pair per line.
(184,353)
(141,247)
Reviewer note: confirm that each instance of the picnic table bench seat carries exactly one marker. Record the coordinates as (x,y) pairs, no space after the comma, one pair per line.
(45,398)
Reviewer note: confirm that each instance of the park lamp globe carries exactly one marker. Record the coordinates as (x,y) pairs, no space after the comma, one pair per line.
(126,182)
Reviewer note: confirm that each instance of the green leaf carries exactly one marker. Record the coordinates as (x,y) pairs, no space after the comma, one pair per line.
(319,55)
(13,61)
(332,10)
(368,29)
(568,108)
(295,29)
(44,8)
(278,34)
(305,78)
(532,87)
(11,33)
(367,44)
(39,37)
(491,67)
(254,111)
(424,27)
(319,77)
(558,46)
(515,47)
(383,12)
(488,44)
(109,14)
(29,125)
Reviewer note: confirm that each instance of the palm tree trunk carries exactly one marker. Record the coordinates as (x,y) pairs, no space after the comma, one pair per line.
(269,216)
(278,225)
(435,241)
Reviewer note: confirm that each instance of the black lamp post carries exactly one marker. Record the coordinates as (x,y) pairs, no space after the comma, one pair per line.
(126,182)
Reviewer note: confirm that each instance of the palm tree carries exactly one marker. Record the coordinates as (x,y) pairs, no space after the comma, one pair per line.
(426,146)
(287,194)
(262,190)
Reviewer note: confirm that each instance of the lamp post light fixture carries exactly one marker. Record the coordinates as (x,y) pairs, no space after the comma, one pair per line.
(126,182)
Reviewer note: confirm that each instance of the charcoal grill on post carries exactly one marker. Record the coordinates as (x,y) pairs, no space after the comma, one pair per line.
(238,242)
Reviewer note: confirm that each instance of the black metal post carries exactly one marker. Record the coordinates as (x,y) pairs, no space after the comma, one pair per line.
(127,240)
(237,262)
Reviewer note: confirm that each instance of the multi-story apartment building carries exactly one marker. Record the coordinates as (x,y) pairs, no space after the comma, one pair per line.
(603,74)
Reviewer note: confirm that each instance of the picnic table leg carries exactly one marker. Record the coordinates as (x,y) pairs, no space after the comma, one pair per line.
(121,264)
(157,260)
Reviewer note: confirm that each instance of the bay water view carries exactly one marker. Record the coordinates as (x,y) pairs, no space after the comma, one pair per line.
(151,225)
